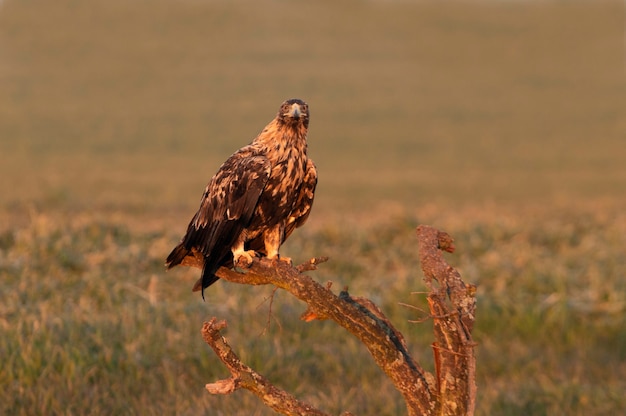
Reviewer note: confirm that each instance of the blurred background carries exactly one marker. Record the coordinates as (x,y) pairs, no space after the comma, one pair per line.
(135,104)
(502,122)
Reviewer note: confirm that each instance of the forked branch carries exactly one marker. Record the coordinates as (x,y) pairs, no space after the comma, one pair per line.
(452,302)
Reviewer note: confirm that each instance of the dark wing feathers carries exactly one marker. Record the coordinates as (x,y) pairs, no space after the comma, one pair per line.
(227,205)
(234,190)
(238,186)
(228,202)
(177,255)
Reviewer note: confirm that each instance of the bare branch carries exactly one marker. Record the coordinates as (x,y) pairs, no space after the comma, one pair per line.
(245,377)
(269,312)
(381,339)
(452,307)
(311,264)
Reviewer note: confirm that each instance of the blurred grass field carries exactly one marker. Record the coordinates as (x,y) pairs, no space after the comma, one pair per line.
(502,123)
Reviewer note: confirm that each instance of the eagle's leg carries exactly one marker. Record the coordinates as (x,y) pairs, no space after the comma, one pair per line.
(241,256)
(272,239)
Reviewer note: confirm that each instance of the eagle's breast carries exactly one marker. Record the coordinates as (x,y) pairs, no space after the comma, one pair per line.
(288,159)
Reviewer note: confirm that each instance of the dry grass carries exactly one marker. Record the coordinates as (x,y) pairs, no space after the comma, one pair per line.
(502,123)
(90,320)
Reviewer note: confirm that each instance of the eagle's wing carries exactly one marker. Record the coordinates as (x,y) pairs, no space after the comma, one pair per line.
(227,205)
(304,202)
(229,200)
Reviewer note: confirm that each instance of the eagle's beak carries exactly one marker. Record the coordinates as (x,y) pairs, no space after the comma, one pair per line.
(295,111)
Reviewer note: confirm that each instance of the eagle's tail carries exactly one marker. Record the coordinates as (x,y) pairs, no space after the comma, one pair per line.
(176,256)
(190,257)
(207,279)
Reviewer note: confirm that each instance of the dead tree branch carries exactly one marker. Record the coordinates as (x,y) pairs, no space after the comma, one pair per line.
(453,305)
(451,392)
(408,377)
(243,376)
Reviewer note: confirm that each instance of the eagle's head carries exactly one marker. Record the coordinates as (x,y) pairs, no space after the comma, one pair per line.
(294,113)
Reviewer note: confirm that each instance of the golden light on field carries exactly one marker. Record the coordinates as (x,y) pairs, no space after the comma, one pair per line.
(126,104)
(502,122)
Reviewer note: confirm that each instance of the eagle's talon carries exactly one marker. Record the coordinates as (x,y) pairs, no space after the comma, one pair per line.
(243,260)
(280,259)
(285,260)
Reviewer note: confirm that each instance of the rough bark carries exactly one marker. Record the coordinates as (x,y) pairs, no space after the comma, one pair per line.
(243,376)
(452,306)
(450,392)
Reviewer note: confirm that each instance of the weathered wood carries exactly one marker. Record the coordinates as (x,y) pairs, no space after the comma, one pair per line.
(452,391)
(243,376)
(376,334)
(452,305)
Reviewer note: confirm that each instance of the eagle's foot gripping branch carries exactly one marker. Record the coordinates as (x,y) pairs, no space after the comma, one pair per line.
(243,259)
(286,260)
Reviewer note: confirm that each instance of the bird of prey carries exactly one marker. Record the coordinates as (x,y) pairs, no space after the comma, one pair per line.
(255,200)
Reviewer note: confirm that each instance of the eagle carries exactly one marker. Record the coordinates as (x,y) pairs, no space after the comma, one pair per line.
(257,198)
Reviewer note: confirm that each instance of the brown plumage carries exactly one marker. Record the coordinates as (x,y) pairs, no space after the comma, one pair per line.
(255,200)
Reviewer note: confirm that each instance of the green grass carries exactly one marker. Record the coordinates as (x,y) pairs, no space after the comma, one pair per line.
(500,122)
(90,321)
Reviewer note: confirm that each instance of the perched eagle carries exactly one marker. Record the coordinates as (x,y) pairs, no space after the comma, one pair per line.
(255,200)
